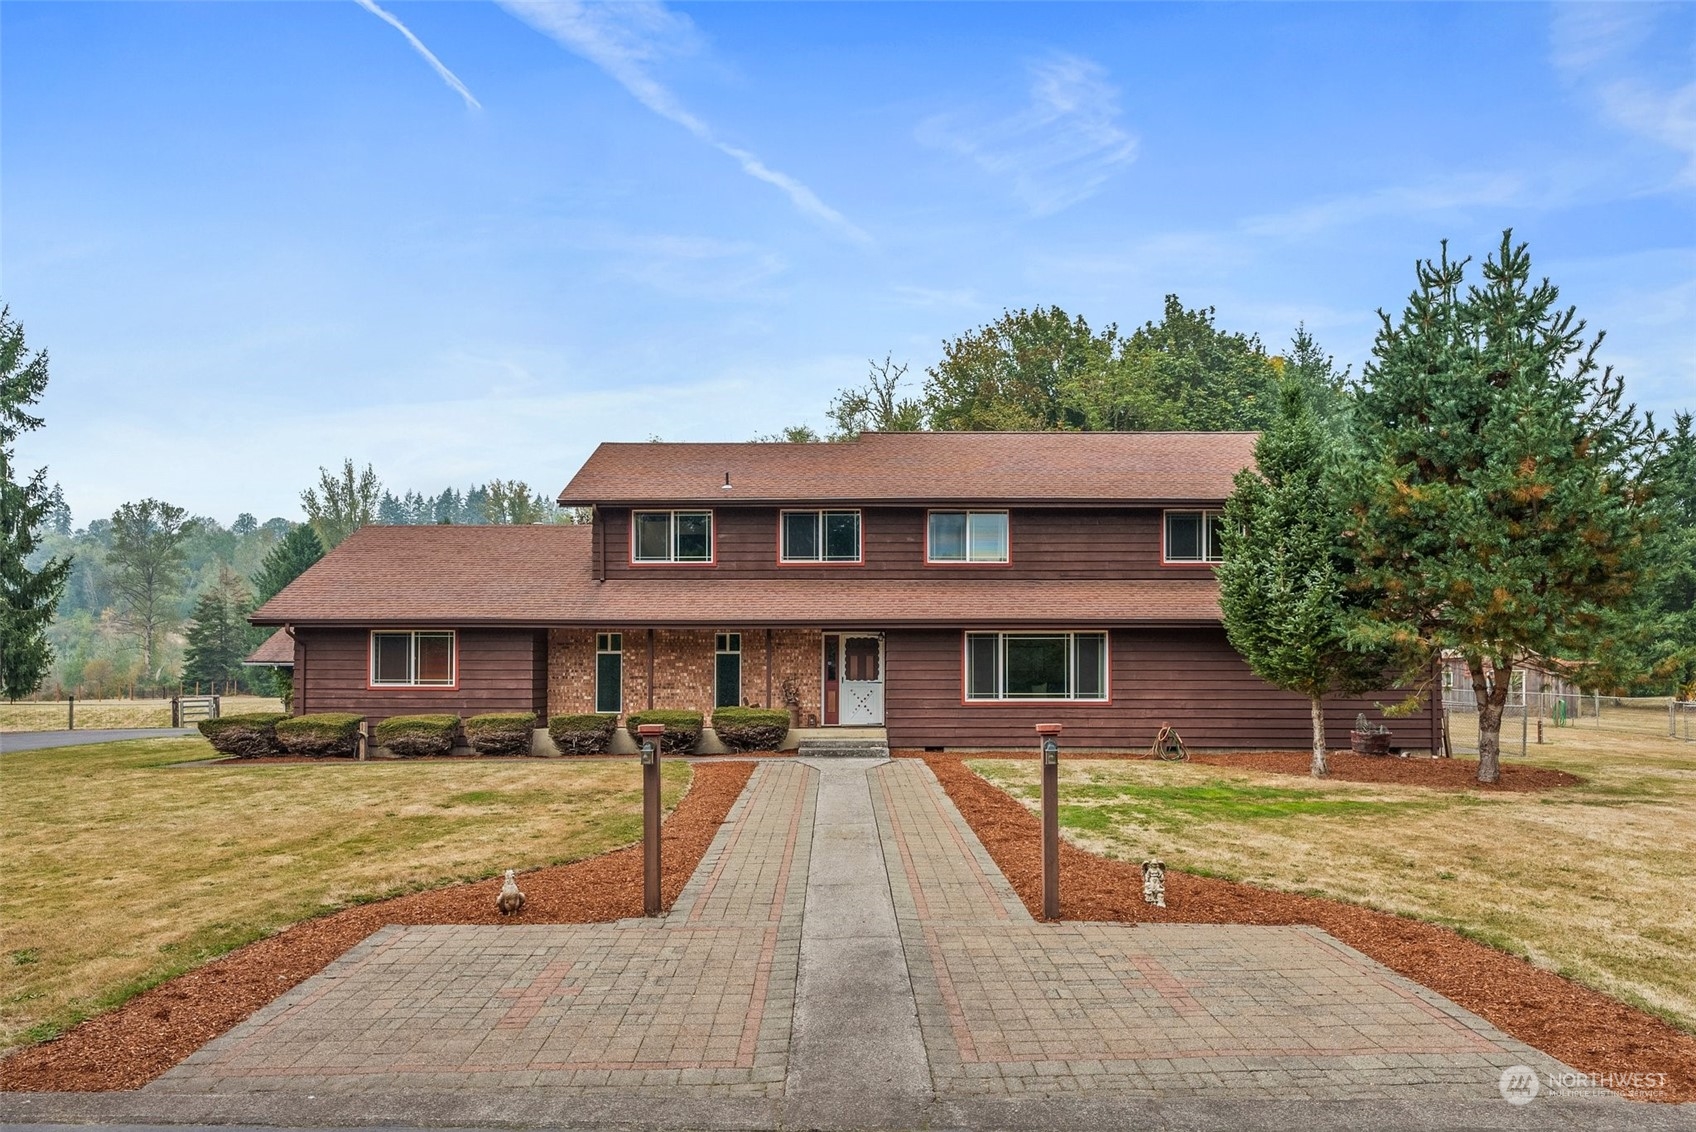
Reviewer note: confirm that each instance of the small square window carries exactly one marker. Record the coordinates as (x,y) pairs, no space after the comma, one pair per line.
(1194,536)
(672,536)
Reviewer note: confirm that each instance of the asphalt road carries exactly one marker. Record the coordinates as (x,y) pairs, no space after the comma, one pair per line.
(12,741)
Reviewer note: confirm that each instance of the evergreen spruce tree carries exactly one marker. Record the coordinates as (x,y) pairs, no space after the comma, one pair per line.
(1282,584)
(288,560)
(219,637)
(28,597)
(1502,514)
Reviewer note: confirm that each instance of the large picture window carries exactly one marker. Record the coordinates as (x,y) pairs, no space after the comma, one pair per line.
(609,673)
(413,659)
(672,536)
(820,536)
(1036,666)
(966,536)
(1193,536)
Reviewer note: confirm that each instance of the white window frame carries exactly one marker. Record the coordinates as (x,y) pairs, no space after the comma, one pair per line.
(1001,697)
(1210,554)
(412,680)
(1007,543)
(819,514)
(672,515)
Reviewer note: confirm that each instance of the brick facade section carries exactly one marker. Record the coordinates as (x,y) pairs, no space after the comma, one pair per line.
(683,668)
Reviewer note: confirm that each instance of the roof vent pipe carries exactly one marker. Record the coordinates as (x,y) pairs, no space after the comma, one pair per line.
(726,482)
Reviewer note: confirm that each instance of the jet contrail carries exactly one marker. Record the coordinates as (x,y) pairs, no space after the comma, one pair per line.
(429,57)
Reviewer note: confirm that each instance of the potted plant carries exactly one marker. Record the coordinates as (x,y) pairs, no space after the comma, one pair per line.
(1368,738)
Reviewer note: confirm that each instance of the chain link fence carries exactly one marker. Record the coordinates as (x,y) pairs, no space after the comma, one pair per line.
(1532,718)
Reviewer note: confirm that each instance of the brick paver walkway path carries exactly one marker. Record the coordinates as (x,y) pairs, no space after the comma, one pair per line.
(848,943)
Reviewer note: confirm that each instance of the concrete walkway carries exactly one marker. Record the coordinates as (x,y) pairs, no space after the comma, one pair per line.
(848,956)
(13,741)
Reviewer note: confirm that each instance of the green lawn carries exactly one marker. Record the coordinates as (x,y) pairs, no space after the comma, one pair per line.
(1593,881)
(118,871)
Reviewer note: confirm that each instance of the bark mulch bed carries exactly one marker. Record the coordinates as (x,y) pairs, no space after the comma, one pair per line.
(128,1047)
(1581,1027)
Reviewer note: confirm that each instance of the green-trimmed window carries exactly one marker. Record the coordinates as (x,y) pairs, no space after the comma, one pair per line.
(727,670)
(609,673)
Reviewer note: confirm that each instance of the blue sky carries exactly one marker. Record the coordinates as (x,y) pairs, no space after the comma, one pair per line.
(259,237)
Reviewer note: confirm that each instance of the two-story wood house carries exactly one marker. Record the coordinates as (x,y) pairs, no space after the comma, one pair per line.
(953,588)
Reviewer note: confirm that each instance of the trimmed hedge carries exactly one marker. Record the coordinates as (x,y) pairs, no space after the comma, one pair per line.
(682,729)
(500,733)
(583,734)
(329,733)
(415,735)
(750,729)
(245,736)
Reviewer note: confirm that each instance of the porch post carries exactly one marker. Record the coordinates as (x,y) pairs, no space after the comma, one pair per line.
(1050,733)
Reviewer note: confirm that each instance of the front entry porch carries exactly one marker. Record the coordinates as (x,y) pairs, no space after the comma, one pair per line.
(852,679)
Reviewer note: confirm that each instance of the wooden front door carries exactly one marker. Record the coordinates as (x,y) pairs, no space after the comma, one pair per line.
(832,679)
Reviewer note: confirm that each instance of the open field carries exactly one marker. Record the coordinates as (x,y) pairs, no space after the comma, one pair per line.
(1592,881)
(50,715)
(118,871)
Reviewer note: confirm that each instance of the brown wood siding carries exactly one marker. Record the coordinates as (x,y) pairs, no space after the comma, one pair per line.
(499,670)
(1189,678)
(1077,543)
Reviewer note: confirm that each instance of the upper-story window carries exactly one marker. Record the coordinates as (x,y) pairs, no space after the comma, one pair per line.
(1193,536)
(820,536)
(967,536)
(672,536)
(412,659)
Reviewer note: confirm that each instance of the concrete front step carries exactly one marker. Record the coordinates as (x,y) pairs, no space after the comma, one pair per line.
(843,748)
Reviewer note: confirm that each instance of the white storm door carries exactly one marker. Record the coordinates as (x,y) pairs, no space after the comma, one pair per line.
(862,681)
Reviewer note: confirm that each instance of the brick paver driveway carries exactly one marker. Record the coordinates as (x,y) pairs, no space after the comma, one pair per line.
(848,955)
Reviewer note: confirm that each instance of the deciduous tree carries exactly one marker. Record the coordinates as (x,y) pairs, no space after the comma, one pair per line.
(1503,511)
(146,557)
(341,504)
(1014,373)
(28,598)
(878,405)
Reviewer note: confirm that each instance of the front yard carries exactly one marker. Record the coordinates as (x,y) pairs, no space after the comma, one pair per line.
(1592,881)
(120,871)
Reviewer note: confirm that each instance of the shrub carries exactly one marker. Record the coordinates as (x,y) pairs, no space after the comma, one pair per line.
(751,729)
(413,735)
(500,733)
(329,733)
(682,728)
(583,734)
(245,736)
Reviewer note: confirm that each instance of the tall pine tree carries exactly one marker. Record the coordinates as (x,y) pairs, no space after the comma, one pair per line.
(219,637)
(1503,510)
(28,597)
(1282,584)
(288,560)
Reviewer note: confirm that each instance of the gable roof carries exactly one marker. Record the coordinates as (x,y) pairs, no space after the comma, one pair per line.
(923,468)
(538,576)
(276,652)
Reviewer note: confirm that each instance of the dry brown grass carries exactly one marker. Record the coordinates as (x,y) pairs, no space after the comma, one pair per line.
(1592,881)
(51,715)
(119,871)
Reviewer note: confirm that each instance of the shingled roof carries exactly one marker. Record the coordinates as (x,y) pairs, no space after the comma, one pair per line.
(1099,468)
(276,652)
(540,576)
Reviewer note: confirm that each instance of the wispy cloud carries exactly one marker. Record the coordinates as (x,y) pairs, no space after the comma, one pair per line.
(1435,196)
(429,56)
(625,41)
(1604,49)
(1057,151)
